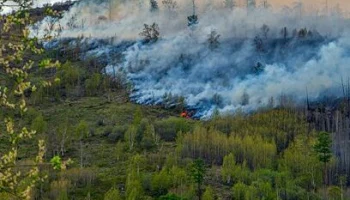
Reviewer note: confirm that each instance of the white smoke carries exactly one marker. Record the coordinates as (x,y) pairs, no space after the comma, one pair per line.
(10,6)
(181,63)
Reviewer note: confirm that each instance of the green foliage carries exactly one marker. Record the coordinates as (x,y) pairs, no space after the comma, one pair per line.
(334,193)
(17,181)
(208,194)
(198,171)
(92,84)
(56,163)
(39,124)
(170,197)
(323,147)
(130,137)
(112,194)
(81,130)
(134,190)
(167,129)
(69,74)
(228,167)
(137,117)
(301,163)
(240,191)
(213,145)
(161,182)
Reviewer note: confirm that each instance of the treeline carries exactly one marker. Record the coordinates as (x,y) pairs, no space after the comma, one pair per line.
(268,155)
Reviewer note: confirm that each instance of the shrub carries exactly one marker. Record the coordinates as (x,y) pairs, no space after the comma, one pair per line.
(168,128)
(117,133)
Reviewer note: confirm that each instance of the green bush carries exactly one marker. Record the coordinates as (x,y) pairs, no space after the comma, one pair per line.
(116,133)
(167,129)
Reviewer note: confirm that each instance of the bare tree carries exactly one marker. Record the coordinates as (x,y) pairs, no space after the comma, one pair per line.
(171,6)
(213,40)
(72,22)
(150,33)
(265,4)
(265,29)
(259,44)
(284,33)
(193,19)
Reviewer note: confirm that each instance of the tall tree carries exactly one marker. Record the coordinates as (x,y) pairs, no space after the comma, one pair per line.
(197,173)
(81,131)
(193,19)
(324,152)
(16,181)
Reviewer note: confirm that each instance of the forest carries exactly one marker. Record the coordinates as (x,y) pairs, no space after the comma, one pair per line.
(78,119)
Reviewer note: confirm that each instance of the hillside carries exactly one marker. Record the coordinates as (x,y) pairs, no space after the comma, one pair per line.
(108,137)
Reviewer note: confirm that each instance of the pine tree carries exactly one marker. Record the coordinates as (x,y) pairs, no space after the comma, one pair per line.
(323,149)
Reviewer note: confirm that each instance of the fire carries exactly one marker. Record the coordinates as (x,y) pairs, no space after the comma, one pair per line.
(185,114)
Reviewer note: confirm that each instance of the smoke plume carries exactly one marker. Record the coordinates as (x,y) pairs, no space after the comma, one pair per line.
(234,58)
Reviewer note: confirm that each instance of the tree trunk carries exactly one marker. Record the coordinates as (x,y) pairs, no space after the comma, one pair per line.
(199,191)
(81,154)
(325,181)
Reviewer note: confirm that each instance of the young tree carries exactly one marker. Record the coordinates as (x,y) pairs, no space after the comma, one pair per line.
(16,181)
(208,194)
(39,124)
(228,168)
(81,131)
(323,149)
(92,84)
(197,174)
(240,191)
(134,189)
(112,194)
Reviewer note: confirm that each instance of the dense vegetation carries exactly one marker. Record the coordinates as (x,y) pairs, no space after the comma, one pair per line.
(99,145)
